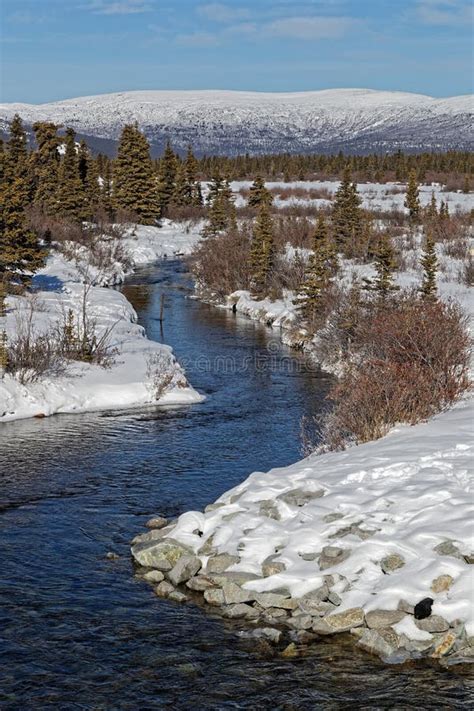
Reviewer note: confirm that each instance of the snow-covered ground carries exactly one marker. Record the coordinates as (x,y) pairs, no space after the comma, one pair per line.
(375,196)
(131,381)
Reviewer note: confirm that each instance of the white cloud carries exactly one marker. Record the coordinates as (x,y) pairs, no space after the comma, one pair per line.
(310,28)
(198,39)
(444,12)
(222,13)
(118,7)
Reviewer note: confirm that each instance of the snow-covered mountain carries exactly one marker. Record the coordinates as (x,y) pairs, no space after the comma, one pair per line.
(231,122)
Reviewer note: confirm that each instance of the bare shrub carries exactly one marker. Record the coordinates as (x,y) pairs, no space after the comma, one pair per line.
(403,367)
(187,213)
(160,373)
(466,275)
(220,263)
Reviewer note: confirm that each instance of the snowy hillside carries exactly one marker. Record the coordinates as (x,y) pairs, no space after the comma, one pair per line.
(231,122)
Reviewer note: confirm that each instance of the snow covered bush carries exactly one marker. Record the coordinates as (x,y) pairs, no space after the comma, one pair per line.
(160,373)
(407,361)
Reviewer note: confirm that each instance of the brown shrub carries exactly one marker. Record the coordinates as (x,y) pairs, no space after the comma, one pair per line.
(407,362)
(220,264)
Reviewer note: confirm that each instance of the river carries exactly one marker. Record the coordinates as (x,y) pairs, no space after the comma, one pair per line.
(78,630)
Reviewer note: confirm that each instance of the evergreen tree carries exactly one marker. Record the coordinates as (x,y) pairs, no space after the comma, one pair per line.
(443,211)
(182,193)
(222,214)
(412,198)
(319,275)
(385,265)
(432,209)
(429,262)
(347,215)
(259,193)
(166,179)
(262,250)
(191,169)
(20,251)
(46,167)
(71,196)
(134,188)
(214,188)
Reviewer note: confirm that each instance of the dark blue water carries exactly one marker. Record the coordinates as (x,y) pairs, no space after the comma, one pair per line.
(79,631)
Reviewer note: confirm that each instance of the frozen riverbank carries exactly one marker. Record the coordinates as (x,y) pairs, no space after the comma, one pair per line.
(141,372)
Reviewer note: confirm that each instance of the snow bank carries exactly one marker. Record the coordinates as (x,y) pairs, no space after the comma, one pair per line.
(82,387)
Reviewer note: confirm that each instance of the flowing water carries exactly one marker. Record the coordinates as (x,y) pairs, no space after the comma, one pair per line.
(79,631)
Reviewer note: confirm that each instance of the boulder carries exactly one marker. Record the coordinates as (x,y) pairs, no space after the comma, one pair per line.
(376,619)
(154,576)
(200,583)
(234,594)
(441,583)
(332,555)
(374,642)
(219,563)
(240,610)
(164,589)
(237,577)
(177,596)
(272,567)
(160,554)
(269,509)
(444,645)
(314,607)
(300,621)
(269,599)
(300,497)
(392,562)
(340,621)
(214,596)
(448,548)
(406,607)
(433,623)
(186,567)
(157,522)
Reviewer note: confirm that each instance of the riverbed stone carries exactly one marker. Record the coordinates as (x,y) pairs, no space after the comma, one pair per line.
(164,589)
(200,583)
(329,518)
(270,566)
(300,621)
(240,610)
(419,646)
(157,522)
(406,607)
(340,621)
(153,535)
(433,623)
(374,642)
(269,599)
(332,555)
(177,596)
(315,607)
(300,497)
(234,594)
(162,554)
(444,644)
(274,614)
(219,563)
(213,507)
(207,547)
(392,562)
(308,556)
(448,548)
(334,598)
(441,583)
(269,509)
(233,576)
(214,596)
(185,568)
(153,576)
(376,619)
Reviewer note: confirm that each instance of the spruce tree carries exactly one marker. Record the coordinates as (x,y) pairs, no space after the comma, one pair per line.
(262,250)
(191,169)
(412,198)
(46,167)
(432,209)
(347,215)
(222,213)
(71,195)
(258,193)
(429,262)
(443,211)
(166,179)
(20,251)
(214,188)
(134,187)
(182,193)
(385,265)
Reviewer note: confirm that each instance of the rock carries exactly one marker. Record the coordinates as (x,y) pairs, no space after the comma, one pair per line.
(374,643)
(316,608)
(441,583)
(272,567)
(302,636)
(300,621)
(332,555)
(269,509)
(433,623)
(362,533)
(219,563)
(334,598)
(340,621)
(200,583)
(406,607)
(392,562)
(274,614)
(157,522)
(469,558)
(214,596)
(164,589)
(234,612)
(376,619)
(234,594)
(186,568)
(214,507)
(161,554)
(423,608)
(300,497)
(290,651)
(153,535)
(308,556)
(329,518)
(237,577)
(415,645)
(318,594)
(269,633)
(207,547)
(444,645)
(268,599)
(177,596)
(448,548)
(153,576)
(112,556)
(463,656)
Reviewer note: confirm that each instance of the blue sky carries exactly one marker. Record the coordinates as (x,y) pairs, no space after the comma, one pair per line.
(54,49)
